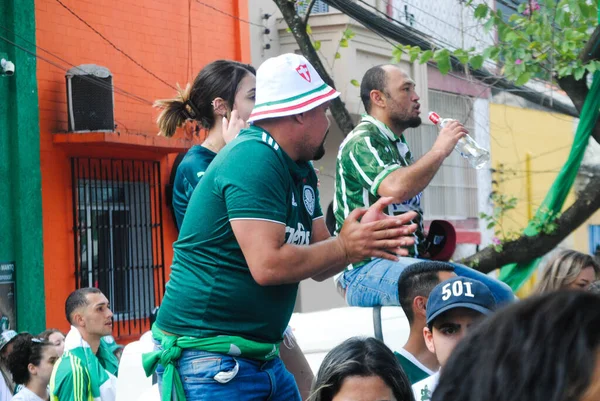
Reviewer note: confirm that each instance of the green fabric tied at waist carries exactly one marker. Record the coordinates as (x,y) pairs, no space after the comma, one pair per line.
(173,346)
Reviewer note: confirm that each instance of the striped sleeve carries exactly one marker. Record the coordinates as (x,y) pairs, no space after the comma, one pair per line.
(69,381)
(369,162)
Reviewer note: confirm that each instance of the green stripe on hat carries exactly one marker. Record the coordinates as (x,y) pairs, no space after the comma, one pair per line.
(291,99)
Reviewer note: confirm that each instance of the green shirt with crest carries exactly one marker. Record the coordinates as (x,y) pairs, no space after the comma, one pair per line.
(211,291)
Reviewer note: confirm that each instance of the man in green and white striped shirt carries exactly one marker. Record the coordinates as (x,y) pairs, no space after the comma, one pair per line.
(87,369)
(375,161)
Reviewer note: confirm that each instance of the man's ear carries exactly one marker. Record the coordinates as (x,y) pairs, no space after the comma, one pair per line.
(377,98)
(77,318)
(420,306)
(299,118)
(428,336)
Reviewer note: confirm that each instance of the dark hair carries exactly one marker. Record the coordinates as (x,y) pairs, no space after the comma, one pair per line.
(541,349)
(26,349)
(77,299)
(45,335)
(330,219)
(220,78)
(418,280)
(363,357)
(375,79)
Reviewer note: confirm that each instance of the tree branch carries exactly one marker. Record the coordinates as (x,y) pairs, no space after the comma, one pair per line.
(524,248)
(298,28)
(578,90)
(308,11)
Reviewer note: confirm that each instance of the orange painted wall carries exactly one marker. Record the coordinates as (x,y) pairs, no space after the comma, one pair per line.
(155,33)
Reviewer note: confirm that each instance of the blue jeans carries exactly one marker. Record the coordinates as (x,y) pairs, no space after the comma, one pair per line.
(376,283)
(210,376)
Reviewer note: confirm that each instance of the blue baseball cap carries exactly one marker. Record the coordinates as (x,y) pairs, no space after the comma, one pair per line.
(459,292)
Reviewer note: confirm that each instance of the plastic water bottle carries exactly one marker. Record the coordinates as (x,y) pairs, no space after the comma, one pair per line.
(466,146)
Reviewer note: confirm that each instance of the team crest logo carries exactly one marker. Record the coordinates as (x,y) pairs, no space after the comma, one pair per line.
(309,199)
(302,70)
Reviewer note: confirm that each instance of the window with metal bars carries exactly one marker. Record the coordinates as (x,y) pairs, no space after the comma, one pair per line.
(452,194)
(318,8)
(118,236)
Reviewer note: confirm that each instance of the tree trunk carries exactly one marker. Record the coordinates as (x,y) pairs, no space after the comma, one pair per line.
(298,28)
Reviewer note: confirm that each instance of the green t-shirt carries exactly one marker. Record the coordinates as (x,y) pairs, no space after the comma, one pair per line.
(365,158)
(413,369)
(211,291)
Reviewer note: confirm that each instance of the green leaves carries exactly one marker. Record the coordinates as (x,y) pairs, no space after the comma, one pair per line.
(442,58)
(317,45)
(355,83)
(523,79)
(481,11)
(476,61)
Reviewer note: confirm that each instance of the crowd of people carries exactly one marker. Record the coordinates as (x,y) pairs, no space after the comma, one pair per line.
(247,207)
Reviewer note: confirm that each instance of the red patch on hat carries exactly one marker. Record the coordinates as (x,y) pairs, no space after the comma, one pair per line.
(302,70)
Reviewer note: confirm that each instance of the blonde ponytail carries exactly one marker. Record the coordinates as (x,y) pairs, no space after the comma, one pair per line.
(175,112)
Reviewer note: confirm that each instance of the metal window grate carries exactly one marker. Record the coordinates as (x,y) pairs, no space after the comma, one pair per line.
(452,194)
(118,236)
(318,8)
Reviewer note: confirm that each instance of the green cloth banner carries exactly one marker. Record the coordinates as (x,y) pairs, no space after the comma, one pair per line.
(515,274)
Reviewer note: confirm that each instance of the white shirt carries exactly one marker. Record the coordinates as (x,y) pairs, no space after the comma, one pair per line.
(425,388)
(26,395)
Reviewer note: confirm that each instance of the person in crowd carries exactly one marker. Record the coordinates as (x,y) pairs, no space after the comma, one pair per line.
(55,337)
(87,369)
(31,362)
(220,100)
(7,385)
(414,286)
(544,348)
(374,161)
(453,308)
(361,369)
(240,292)
(568,269)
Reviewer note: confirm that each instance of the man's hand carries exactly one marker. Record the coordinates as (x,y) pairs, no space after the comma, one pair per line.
(232,127)
(448,137)
(381,238)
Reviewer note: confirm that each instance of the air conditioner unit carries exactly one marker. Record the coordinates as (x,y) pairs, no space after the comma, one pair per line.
(90,99)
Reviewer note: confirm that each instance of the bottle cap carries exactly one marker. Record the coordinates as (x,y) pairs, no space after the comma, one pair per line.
(434,117)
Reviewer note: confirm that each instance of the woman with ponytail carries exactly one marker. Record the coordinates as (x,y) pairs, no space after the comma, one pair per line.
(219,100)
(31,363)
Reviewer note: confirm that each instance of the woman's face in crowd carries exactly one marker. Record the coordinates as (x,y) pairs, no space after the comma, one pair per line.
(245,96)
(583,281)
(361,388)
(44,370)
(58,340)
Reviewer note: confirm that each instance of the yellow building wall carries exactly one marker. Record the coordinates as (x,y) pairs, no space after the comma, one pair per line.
(547,137)
(515,132)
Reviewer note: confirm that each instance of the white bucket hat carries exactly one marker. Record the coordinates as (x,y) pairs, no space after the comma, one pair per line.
(288,85)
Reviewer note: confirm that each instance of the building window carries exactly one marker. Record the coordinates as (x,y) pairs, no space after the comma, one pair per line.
(594,237)
(118,236)
(318,8)
(452,194)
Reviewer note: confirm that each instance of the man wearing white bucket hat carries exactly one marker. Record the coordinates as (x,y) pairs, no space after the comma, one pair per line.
(253,230)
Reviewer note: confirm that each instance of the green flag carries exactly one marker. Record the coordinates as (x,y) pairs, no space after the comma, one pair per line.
(515,274)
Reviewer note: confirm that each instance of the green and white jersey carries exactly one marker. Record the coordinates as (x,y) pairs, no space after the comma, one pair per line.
(365,158)
(211,292)
(414,369)
(424,389)
(81,375)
